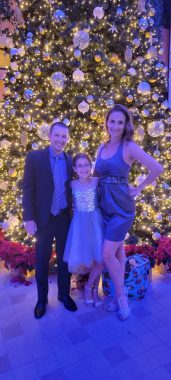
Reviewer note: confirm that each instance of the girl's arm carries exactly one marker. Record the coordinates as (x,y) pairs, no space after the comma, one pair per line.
(155,169)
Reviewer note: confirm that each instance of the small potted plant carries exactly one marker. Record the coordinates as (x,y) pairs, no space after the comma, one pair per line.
(17,258)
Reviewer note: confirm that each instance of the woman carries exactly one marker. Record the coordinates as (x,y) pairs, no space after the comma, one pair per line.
(113,164)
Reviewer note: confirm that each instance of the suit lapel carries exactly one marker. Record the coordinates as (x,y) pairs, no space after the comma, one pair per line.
(47,165)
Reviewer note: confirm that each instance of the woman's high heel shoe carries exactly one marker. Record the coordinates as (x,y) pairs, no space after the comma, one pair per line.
(98,303)
(112,306)
(123,308)
(88,296)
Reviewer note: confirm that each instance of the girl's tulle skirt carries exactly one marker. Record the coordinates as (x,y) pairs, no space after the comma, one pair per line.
(84,242)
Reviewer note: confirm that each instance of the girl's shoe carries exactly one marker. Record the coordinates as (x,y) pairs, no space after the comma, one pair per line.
(88,296)
(123,308)
(112,306)
(98,303)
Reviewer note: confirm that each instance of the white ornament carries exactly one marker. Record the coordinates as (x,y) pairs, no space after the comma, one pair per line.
(90,98)
(57,81)
(84,144)
(144,88)
(156,236)
(141,6)
(14,66)
(132,72)
(12,221)
(66,122)
(156,128)
(77,53)
(113,28)
(140,133)
(5,144)
(128,55)
(81,39)
(83,107)
(159,217)
(152,53)
(140,179)
(155,97)
(165,105)
(3,185)
(136,42)
(145,112)
(98,13)
(43,131)
(21,52)
(78,75)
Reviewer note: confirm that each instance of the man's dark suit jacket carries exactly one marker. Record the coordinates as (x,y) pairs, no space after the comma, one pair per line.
(38,186)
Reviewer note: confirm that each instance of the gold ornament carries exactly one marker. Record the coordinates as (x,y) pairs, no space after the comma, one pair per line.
(37,72)
(114,58)
(151,12)
(39,102)
(46,56)
(129,98)
(168,154)
(97,57)
(42,30)
(152,80)
(12,172)
(93,115)
(100,120)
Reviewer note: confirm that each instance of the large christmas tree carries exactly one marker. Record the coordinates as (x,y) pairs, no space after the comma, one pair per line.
(71,61)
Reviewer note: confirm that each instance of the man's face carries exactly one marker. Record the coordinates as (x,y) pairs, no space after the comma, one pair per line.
(58,137)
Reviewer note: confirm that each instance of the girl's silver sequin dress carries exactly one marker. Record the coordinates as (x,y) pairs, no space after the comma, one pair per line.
(86,233)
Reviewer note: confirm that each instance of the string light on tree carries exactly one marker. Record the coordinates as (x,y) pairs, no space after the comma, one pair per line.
(72,62)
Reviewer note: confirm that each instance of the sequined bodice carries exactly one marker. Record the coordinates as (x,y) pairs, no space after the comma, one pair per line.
(85,200)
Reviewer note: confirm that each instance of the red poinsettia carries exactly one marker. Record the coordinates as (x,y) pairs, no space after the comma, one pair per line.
(132,249)
(163,251)
(17,256)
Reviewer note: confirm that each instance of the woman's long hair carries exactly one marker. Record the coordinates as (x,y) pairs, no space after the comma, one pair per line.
(128,132)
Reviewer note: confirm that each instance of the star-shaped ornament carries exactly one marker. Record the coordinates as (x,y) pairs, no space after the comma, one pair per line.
(113,28)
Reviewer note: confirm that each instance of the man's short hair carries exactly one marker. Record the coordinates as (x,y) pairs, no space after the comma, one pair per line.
(58,124)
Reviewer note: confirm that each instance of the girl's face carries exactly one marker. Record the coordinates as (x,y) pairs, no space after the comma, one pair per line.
(82,168)
(116,124)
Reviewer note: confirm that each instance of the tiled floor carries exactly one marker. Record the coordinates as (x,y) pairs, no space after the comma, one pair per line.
(87,344)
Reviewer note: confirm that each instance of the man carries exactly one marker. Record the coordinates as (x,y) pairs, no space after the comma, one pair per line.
(46,213)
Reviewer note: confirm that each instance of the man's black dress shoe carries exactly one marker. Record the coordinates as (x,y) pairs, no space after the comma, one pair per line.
(39,310)
(69,304)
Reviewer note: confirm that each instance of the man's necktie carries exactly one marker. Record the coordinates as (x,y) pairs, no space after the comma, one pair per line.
(57,177)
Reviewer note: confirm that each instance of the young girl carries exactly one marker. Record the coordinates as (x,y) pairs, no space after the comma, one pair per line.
(83,250)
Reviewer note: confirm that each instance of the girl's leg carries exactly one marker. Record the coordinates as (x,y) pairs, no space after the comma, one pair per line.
(93,283)
(116,269)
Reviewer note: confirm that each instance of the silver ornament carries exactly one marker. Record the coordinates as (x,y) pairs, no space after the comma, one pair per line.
(81,39)
(57,81)
(59,15)
(155,128)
